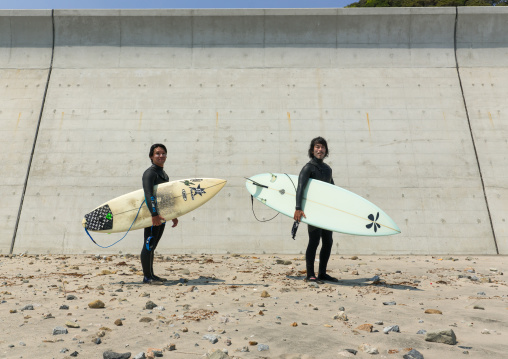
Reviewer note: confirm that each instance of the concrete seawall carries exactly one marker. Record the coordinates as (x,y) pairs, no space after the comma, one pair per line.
(412,102)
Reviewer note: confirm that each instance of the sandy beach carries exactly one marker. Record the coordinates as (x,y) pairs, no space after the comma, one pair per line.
(252,306)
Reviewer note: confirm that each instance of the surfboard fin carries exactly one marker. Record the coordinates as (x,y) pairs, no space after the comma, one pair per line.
(255,183)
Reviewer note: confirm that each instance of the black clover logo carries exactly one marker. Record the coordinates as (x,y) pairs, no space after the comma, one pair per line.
(374,223)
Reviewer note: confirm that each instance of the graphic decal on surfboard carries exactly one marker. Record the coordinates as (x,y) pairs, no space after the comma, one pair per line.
(376,225)
(326,206)
(100,219)
(197,190)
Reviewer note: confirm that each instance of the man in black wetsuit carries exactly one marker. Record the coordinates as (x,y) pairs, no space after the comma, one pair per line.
(154,175)
(318,170)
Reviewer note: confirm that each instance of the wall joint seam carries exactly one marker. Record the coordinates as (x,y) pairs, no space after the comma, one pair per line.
(470,128)
(36,134)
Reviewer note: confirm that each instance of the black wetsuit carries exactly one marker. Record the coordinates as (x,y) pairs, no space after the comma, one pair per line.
(154,175)
(315,169)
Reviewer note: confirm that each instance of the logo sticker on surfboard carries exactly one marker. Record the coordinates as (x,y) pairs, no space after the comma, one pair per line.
(197,190)
(374,222)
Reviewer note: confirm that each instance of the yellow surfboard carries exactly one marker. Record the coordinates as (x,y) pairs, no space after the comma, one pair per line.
(174,199)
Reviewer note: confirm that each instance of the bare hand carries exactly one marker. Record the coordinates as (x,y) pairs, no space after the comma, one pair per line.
(158,220)
(175,222)
(298,215)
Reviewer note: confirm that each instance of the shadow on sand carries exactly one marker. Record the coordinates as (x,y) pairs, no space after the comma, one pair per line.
(366,282)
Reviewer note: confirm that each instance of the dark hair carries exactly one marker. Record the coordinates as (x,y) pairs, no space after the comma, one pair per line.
(153,147)
(315,141)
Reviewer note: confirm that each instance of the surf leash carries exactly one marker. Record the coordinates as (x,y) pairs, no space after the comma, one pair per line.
(86,230)
(294,229)
(252,200)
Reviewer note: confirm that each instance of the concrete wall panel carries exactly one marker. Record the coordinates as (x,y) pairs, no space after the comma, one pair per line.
(25,54)
(25,39)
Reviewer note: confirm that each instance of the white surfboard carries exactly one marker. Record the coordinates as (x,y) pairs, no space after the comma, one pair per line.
(326,206)
(174,199)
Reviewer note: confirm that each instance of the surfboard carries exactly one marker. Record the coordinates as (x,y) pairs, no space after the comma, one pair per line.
(174,199)
(325,205)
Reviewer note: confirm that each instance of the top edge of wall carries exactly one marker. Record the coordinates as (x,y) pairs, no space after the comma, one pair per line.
(260,12)
(25,13)
(465,10)
(255,12)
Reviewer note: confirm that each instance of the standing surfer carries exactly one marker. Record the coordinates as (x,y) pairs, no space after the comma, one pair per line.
(318,170)
(153,176)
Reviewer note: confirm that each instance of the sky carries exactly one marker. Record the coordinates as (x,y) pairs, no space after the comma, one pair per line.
(171,4)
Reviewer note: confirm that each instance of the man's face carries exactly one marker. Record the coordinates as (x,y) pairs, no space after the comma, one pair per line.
(319,151)
(159,157)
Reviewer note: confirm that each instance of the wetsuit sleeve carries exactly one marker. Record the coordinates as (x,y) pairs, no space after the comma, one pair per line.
(303,179)
(149,178)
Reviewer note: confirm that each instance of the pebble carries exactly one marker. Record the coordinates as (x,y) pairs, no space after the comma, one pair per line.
(485,331)
(263,347)
(70,324)
(71,297)
(341,316)
(365,327)
(443,336)
(146,320)
(284,262)
(28,307)
(113,355)
(478,307)
(140,356)
(64,307)
(413,354)
(366,348)
(421,331)
(433,311)
(393,328)
(59,330)
(211,338)
(390,303)
(150,305)
(265,294)
(74,354)
(96,304)
(118,322)
(379,322)
(153,352)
